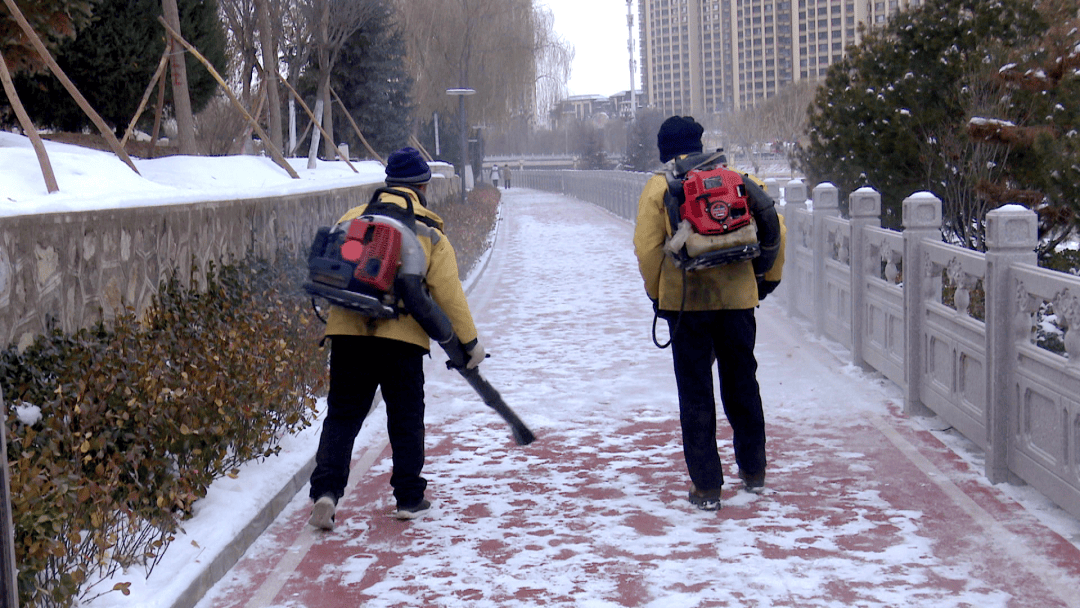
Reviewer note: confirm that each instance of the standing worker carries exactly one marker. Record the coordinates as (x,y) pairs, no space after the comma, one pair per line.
(368,353)
(710,315)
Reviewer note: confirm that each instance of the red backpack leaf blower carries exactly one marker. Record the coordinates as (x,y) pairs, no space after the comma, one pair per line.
(375,265)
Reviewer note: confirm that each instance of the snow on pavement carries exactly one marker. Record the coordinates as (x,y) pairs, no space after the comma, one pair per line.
(864,508)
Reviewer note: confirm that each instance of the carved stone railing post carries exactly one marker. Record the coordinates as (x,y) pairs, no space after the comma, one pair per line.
(922,221)
(772,187)
(865,209)
(826,204)
(1011,238)
(790,288)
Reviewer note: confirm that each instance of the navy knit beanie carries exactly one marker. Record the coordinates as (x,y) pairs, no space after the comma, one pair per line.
(679,135)
(406,166)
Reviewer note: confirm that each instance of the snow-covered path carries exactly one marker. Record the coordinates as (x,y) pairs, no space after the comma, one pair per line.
(864,508)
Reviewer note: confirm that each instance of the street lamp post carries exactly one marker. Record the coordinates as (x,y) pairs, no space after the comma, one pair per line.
(461,94)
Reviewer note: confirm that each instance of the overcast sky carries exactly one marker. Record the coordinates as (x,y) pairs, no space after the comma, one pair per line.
(597,31)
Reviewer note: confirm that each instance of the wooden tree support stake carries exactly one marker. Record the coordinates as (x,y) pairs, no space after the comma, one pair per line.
(146,95)
(303,136)
(420,146)
(356,128)
(157,115)
(315,122)
(106,132)
(245,135)
(274,152)
(28,127)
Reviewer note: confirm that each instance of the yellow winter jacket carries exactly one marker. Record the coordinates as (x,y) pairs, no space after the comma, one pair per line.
(441,279)
(728,287)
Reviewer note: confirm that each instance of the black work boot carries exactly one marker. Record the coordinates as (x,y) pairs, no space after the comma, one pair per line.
(706,500)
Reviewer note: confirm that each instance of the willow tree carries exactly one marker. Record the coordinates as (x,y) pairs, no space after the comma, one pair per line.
(496,47)
(486,45)
(554,57)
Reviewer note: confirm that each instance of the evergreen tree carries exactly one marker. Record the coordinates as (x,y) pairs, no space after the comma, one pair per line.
(642,153)
(52,20)
(893,113)
(1038,124)
(371,79)
(112,60)
(590,146)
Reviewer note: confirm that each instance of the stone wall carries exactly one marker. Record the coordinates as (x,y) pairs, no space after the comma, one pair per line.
(71,270)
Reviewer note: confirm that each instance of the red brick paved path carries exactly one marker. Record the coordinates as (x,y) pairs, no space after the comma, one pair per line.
(864,507)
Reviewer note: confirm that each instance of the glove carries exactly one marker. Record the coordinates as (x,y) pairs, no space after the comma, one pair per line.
(663,314)
(475,352)
(764,287)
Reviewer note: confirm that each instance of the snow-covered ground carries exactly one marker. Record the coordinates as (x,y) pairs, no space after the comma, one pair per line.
(90,179)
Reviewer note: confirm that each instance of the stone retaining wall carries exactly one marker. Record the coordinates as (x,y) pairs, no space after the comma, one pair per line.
(71,270)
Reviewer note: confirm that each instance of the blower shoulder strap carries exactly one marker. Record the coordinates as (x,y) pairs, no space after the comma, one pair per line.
(689,163)
(405,215)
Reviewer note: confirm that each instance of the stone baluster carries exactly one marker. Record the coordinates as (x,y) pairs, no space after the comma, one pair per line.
(1011,239)
(922,221)
(865,209)
(790,288)
(772,187)
(826,204)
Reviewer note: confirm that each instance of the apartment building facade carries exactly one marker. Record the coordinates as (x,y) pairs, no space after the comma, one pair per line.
(702,57)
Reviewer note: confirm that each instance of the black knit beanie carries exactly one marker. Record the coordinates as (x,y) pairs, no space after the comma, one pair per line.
(406,166)
(679,135)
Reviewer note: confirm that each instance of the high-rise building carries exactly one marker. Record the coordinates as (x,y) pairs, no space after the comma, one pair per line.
(701,57)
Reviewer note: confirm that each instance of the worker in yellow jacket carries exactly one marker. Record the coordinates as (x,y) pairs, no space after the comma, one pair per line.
(368,353)
(710,316)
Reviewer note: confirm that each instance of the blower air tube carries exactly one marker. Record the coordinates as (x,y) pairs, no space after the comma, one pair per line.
(409,287)
(431,318)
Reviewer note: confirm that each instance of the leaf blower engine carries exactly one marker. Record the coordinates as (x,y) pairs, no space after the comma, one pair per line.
(708,207)
(374,264)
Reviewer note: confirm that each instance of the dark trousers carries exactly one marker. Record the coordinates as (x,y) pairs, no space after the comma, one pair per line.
(726,336)
(358,366)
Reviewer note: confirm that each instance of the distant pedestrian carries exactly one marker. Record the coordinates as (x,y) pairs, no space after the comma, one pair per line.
(506,177)
(710,316)
(367,354)
(495,175)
